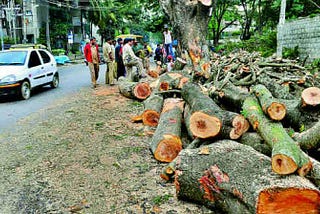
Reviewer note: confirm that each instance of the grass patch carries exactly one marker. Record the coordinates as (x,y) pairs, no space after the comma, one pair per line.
(158,200)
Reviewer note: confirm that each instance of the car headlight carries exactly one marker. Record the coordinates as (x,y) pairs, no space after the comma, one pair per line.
(9,78)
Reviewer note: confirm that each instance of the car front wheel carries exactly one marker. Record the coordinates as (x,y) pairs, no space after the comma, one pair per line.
(55,81)
(25,90)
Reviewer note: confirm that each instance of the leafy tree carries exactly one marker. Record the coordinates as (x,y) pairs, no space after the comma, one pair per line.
(224,14)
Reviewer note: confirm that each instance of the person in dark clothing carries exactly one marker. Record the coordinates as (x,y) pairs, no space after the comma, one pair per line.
(158,53)
(121,71)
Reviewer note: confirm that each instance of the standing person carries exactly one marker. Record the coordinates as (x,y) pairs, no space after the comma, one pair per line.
(91,53)
(167,41)
(158,53)
(130,60)
(109,58)
(118,58)
(146,53)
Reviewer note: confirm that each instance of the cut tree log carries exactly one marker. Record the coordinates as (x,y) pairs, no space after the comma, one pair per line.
(152,109)
(309,139)
(204,121)
(287,157)
(310,96)
(179,64)
(166,142)
(134,90)
(277,90)
(270,106)
(255,141)
(206,2)
(229,95)
(210,175)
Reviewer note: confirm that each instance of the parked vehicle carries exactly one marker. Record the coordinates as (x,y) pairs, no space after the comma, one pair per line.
(22,70)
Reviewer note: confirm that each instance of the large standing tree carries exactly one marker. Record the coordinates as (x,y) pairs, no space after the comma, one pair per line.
(190,22)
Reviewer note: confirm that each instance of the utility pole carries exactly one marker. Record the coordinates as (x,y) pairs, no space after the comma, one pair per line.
(1,29)
(24,23)
(13,10)
(48,29)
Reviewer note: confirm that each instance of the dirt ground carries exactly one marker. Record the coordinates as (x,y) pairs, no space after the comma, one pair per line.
(84,155)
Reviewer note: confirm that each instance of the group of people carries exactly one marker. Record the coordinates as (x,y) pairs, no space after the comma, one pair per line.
(120,60)
(165,53)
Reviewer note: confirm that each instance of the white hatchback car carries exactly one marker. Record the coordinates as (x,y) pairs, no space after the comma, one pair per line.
(21,70)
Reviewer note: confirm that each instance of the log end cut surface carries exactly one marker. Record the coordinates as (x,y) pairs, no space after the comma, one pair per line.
(168,148)
(150,118)
(204,126)
(292,200)
(311,96)
(142,91)
(240,126)
(277,111)
(283,165)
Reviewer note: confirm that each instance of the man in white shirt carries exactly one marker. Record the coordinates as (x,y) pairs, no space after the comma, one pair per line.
(167,41)
(130,60)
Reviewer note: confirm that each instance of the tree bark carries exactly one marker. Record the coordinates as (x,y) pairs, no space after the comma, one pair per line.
(152,109)
(206,117)
(190,21)
(270,106)
(309,139)
(287,157)
(233,178)
(166,142)
(134,90)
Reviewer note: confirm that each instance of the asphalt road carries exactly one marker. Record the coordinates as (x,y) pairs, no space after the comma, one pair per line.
(72,79)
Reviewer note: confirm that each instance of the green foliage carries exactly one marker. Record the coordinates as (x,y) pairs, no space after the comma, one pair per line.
(290,132)
(8,40)
(290,53)
(314,66)
(57,52)
(302,128)
(158,200)
(265,44)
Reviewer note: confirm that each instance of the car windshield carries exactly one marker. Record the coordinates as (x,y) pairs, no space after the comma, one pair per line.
(13,57)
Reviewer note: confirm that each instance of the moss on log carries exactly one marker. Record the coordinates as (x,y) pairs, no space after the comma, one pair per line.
(229,177)
(287,156)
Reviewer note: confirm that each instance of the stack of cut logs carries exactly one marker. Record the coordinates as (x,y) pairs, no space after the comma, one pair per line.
(251,123)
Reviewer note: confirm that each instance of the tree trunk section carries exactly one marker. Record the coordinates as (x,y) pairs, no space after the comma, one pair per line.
(310,96)
(270,106)
(189,21)
(233,178)
(166,142)
(229,95)
(309,139)
(287,157)
(134,90)
(152,109)
(206,117)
